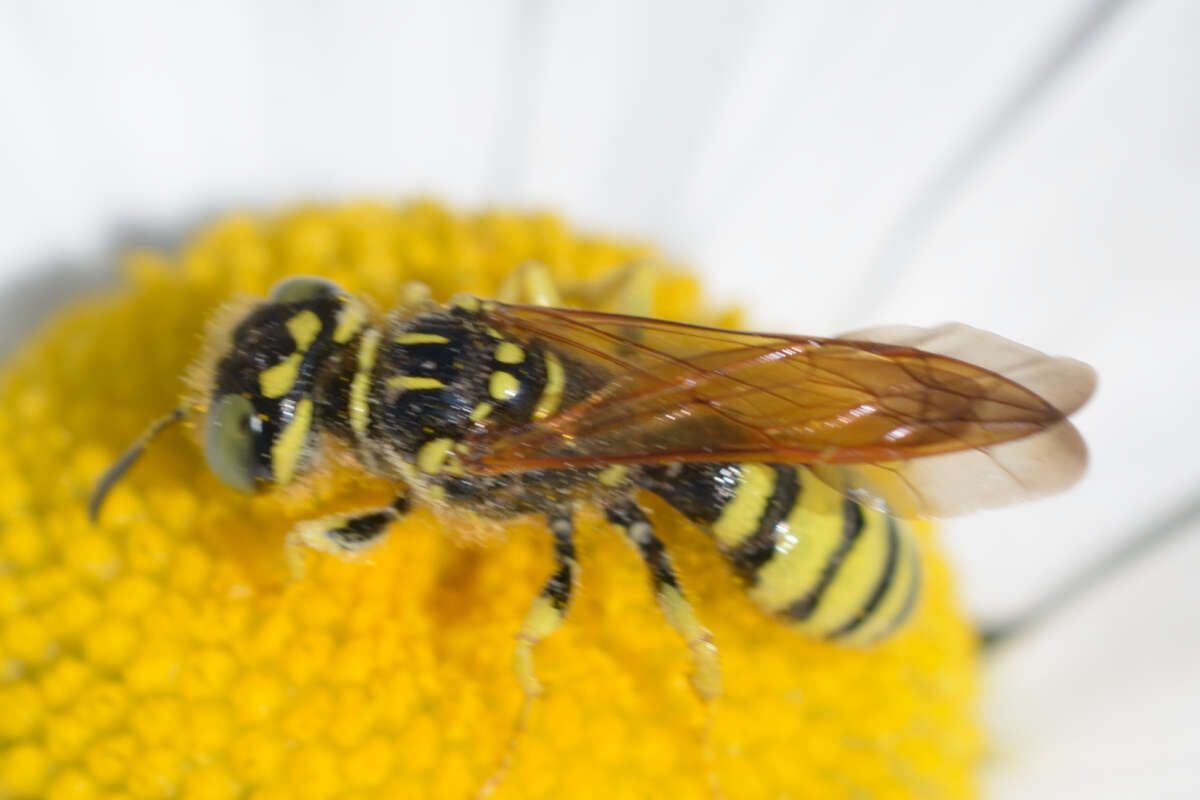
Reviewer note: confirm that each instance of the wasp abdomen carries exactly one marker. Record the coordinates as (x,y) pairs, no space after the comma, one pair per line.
(832,567)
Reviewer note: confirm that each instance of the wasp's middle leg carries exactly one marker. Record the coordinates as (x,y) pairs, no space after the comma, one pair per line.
(550,608)
(706,674)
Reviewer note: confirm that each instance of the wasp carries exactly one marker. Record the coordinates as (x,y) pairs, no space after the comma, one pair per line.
(801,457)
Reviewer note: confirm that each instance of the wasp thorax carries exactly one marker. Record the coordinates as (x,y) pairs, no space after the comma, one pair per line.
(261,422)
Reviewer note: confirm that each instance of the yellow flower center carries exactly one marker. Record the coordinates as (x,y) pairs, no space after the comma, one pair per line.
(162,653)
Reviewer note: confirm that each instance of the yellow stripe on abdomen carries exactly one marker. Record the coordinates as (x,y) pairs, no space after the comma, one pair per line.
(897,602)
(856,578)
(806,542)
(741,515)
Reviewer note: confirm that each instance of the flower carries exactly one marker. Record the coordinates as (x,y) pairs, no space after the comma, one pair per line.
(163,652)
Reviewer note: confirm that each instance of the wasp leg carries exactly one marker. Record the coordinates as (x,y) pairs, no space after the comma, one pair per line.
(550,608)
(414,296)
(629,290)
(342,535)
(706,670)
(530,283)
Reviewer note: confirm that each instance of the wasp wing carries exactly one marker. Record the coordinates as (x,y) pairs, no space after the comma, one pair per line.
(670,392)
(984,477)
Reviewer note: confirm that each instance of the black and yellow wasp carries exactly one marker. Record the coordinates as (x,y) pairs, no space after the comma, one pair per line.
(800,456)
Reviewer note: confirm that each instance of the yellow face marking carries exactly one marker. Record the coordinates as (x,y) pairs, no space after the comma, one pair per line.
(432,455)
(304,327)
(552,393)
(289,445)
(492,332)
(509,353)
(414,383)
(278,380)
(465,301)
(361,383)
(612,476)
(481,411)
(350,320)
(741,515)
(856,578)
(503,386)
(421,338)
(807,540)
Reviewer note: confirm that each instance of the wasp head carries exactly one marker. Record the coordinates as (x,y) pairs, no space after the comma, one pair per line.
(261,422)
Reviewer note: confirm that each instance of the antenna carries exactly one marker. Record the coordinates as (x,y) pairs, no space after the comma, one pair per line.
(122,464)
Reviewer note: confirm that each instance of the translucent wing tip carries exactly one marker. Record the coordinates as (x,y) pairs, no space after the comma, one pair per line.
(957,483)
(1064,383)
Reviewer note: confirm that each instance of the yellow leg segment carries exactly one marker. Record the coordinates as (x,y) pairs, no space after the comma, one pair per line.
(549,609)
(629,290)
(543,619)
(706,668)
(342,535)
(532,284)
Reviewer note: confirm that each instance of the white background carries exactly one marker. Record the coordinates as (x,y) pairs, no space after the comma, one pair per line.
(1029,166)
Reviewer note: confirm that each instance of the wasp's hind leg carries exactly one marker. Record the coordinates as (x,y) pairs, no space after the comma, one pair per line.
(530,283)
(706,671)
(628,290)
(343,535)
(550,608)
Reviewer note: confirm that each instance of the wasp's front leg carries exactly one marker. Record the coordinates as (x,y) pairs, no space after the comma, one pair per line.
(343,535)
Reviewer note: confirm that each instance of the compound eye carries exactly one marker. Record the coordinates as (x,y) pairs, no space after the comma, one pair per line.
(304,287)
(229,442)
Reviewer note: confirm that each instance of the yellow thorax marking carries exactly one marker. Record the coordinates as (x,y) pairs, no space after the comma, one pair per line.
(552,392)
(481,411)
(350,319)
(414,382)
(289,444)
(509,353)
(362,382)
(304,327)
(503,385)
(421,338)
(432,455)
(741,515)
(278,380)
(612,476)
(465,301)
